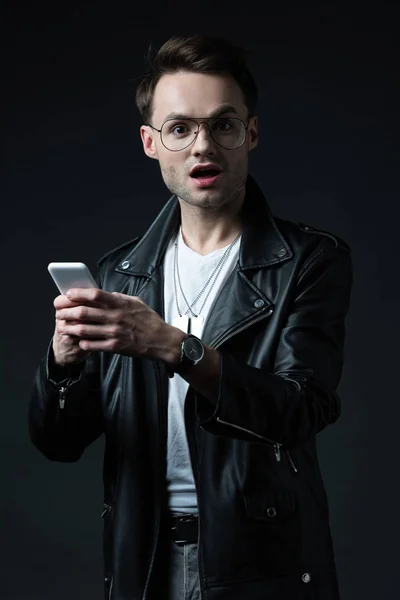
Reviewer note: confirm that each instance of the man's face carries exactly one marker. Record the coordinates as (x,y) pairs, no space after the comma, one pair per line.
(200,96)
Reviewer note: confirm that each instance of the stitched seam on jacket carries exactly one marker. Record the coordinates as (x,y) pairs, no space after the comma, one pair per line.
(309,264)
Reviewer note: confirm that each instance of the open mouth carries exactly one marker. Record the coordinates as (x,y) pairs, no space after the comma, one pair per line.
(205,173)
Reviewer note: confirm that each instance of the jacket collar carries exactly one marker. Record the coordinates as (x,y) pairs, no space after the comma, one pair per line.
(262,244)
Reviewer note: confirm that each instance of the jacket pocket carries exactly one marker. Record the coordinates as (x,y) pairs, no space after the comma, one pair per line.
(270,506)
(274,529)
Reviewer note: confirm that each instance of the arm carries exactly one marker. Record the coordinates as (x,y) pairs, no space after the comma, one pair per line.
(298,398)
(64,411)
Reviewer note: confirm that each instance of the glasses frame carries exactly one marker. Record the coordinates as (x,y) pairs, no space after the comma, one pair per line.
(199,122)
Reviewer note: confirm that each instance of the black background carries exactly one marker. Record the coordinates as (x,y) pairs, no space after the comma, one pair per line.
(76,183)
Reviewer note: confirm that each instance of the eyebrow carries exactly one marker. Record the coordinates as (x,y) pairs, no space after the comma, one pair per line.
(222,110)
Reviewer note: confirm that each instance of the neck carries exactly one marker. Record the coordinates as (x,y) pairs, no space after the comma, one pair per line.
(205,230)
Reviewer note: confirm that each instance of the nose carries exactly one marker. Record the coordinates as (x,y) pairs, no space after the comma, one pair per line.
(203,143)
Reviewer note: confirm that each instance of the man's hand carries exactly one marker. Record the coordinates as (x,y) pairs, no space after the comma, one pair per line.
(94,320)
(66,347)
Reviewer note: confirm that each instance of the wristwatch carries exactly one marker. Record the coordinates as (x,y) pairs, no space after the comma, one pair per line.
(192,351)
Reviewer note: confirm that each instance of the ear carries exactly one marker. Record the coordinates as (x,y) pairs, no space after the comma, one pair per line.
(253,132)
(149,146)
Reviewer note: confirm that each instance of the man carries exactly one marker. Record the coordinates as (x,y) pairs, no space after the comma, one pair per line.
(209,358)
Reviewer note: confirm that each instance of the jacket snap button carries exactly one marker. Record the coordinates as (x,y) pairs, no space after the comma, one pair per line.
(259,303)
(271,512)
(282,252)
(126,264)
(306,577)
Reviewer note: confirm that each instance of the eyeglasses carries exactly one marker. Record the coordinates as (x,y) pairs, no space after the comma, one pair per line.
(178,134)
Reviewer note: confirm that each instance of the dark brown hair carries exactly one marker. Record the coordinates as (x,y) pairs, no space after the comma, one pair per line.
(196,54)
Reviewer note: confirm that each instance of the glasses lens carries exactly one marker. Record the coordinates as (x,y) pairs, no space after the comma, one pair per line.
(178,134)
(228,132)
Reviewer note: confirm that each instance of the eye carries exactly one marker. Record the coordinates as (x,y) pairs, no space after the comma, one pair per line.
(223,125)
(177,129)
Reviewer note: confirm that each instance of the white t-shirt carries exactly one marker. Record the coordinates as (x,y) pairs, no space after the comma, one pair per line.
(194,270)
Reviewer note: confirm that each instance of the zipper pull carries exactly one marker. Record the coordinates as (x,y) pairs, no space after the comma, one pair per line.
(62,392)
(107,509)
(291,461)
(277,450)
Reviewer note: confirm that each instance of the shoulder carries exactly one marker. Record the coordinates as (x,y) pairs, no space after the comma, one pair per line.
(306,235)
(318,251)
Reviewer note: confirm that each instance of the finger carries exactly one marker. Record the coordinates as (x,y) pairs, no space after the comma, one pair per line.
(61,327)
(64,302)
(84,330)
(81,313)
(97,345)
(124,298)
(94,295)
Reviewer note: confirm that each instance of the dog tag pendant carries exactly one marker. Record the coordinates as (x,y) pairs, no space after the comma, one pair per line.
(196,325)
(181,323)
(188,324)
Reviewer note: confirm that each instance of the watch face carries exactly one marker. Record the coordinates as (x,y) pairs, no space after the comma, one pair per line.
(194,349)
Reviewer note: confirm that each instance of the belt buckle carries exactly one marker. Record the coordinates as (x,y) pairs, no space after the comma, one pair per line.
(189,518)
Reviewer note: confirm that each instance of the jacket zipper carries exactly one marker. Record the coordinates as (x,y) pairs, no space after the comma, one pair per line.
(62,392)
(160,483)
(107,509)
(276,445)
(318,231)
(291,461)
(277,451)
(218,343)
(294,381)
(111,588)
(195,462)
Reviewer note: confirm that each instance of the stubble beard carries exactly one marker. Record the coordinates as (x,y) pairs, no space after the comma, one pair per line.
(215,198)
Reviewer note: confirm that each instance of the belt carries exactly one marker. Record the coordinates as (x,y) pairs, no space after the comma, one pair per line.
(184,529)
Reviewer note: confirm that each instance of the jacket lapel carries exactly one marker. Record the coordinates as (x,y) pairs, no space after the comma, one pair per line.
(144,261)
(242,301)
(238,305)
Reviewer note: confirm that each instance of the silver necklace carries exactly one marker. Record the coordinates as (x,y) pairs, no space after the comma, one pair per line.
(193,323)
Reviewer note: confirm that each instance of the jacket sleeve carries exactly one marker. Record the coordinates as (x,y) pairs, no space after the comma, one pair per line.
(65,413)
(298,398)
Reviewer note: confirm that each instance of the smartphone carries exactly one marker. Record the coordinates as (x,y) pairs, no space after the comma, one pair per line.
(68,275)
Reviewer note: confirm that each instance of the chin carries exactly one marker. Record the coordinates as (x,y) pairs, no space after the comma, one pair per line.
(205,198)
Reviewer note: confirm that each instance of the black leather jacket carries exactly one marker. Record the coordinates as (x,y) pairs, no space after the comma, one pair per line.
(279,324)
